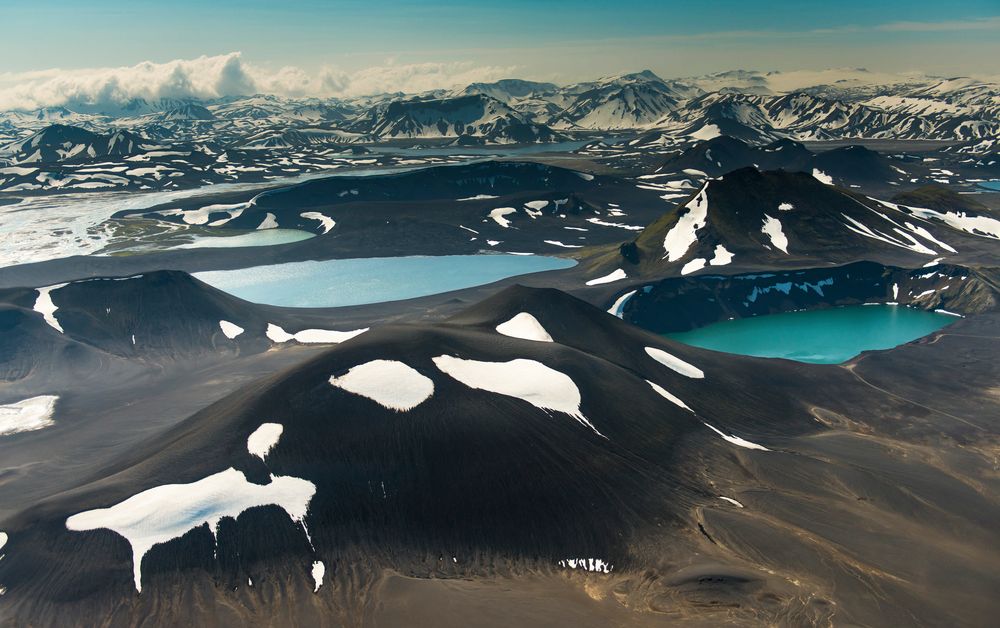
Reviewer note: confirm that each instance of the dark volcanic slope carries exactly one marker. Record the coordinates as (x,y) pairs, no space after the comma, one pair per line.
(846,165)
(834,514)
(753,220)
(130,322)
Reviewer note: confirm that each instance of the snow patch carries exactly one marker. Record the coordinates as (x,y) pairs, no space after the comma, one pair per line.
(693,266)
(45,306)
(528,380)
(524,326)
(231,330)
(325,221)
(263,439)
(389,383)
(822,177)
(663,392)
(167,512)
(27,415)
(736,440)
(722,256)
(707,132)
(731,501)
(595,565)
(615,275)
(318,571)
(772,229)
(674,363)
(684,233)
(498,215)
(270,222)
(312,336)
(619,305)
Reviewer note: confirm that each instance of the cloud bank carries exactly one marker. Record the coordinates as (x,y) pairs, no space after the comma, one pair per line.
(226,75)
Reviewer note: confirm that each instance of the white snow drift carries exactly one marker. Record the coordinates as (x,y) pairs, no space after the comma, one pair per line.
(318,571)
(325,221)
(736,440)
(231,330)
(772,229)
(45,306)
(167,512)
(263,439)
(525,326)
(312,336)
(389,383)
(499,214)
(685,232)
(27,415)
(596,565)
(615,275)
(529,380)
(663,392)
(674,363)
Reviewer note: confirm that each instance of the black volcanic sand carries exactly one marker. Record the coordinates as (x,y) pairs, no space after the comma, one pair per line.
(875,506)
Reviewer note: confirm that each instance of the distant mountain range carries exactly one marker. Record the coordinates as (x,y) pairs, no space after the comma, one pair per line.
(752,106)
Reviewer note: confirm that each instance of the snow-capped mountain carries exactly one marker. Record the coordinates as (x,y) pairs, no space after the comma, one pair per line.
(804,116)
(63,143)
(477,116)
(510,90)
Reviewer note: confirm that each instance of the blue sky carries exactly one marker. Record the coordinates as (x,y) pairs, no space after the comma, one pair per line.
(554,39)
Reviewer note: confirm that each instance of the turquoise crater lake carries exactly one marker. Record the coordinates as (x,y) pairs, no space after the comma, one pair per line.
(342,282)
(829,336)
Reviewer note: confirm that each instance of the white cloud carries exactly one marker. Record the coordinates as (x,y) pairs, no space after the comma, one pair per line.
(974,24)
(226,75)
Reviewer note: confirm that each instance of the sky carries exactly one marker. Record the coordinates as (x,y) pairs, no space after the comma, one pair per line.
(56,50)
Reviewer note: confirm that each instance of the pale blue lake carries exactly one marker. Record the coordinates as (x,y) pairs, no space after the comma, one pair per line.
(991,185)
(829,336)
(337,283)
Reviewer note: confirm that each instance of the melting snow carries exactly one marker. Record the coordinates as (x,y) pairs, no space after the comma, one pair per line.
(619,305)
(389,383)
(674,363)
(613,276)
(325,221)
(731,501)
(786,207)
(318,571)
(772,228)
(684,233)
(231,330)
(524,326)
(263,439)
(45,306)
(477,197)
(722,256)
(167,512)
(822,177)
(663,392)
(587,564)
(270,222)
(736,440)
(706,132)
(312,336)
(565,246)
(499,213)
(529,380)
(27,415)
(694,265)
(603,223)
